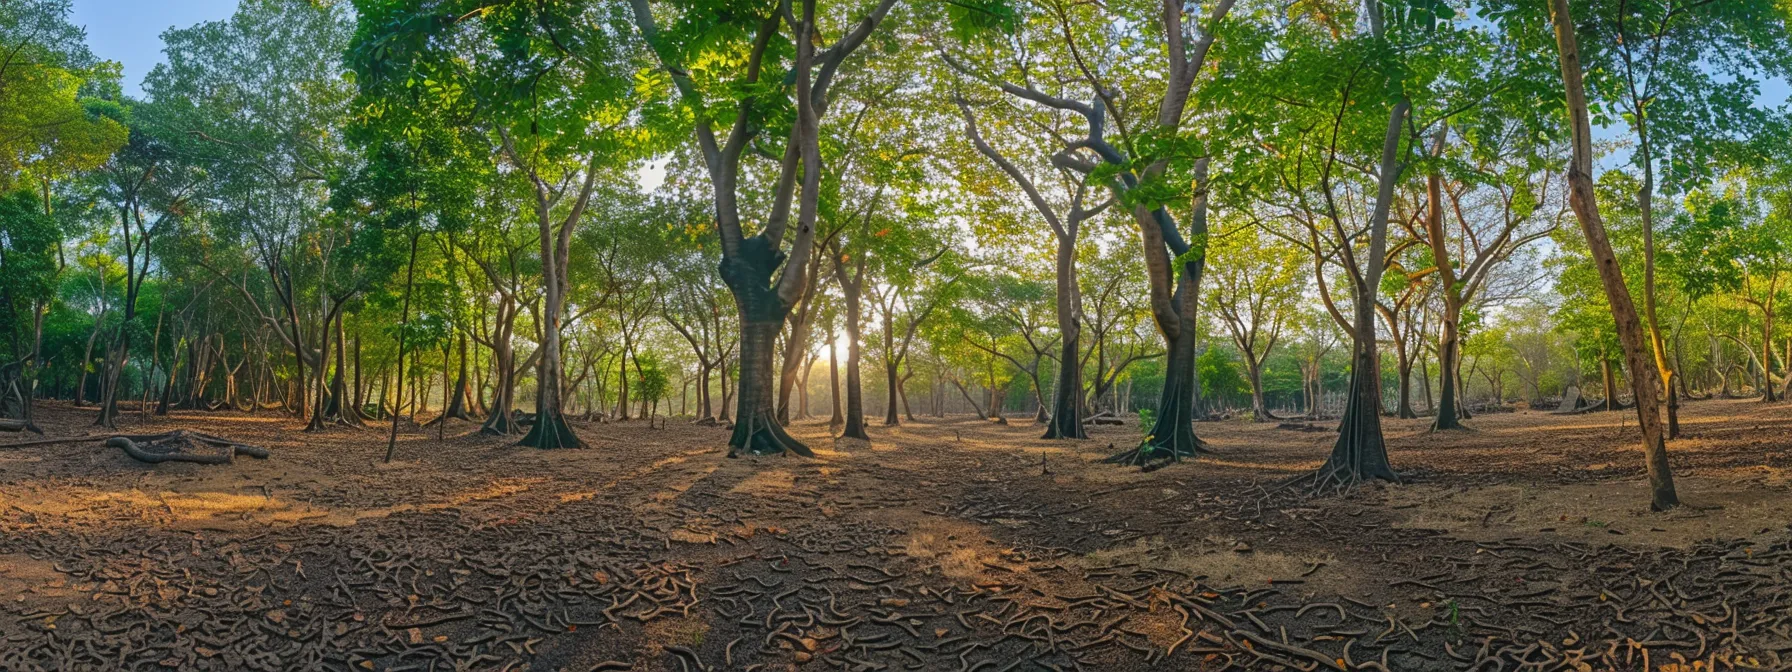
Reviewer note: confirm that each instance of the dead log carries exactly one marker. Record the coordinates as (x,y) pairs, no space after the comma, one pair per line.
(175,446)
(181,446)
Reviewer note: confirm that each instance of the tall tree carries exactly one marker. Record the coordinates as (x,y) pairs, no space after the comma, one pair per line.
(1256,292)
(1147,177)
(749,263)
(1645,380)
(1066,223)
(1684,75)
(552,87)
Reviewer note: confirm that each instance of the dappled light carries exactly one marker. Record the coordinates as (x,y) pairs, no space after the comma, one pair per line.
(977,335)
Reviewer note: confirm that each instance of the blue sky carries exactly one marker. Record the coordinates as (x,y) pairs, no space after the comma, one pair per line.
(130,31)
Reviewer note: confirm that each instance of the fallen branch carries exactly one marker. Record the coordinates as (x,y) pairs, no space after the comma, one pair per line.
(165,447)
(174,447)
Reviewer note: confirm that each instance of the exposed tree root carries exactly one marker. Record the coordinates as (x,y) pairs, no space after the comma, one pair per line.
(1152,456)
(550,432)
(179,445)
(1340,479)
(760,434)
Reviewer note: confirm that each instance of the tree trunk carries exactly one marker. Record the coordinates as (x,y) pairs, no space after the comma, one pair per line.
(1173,437)
(551,430)
(756,429)
(1610,381)
(1583,199)
(855,398)
(458,394)
(834,382)
(762,315)
(404,324)
(360,392)
(1360,453)
(622,378)
(796,345)
(1066,420)
(498,421)
(1449,371)
(892,385)
(1259,407)
(1404,411)
(1425,382)
(967,397)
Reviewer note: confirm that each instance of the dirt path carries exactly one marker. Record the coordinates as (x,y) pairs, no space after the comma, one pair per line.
(943,545)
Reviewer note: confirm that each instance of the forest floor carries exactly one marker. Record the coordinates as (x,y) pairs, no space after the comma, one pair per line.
(944,544)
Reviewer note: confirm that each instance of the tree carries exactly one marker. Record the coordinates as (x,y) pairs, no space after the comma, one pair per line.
(1066,420)
(750,262)
(1644,378)
(1498,195)
(552,89)
(256,110)
(1256,293)
(1146,177)
(1682,74)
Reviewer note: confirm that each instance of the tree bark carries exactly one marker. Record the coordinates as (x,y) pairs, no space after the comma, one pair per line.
(852,291)
(404,324)
(834,382)
(1584,201)
(1360,453)
(551,429)
(1066,421)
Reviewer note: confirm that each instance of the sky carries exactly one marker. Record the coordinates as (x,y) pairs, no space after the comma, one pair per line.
(130,31)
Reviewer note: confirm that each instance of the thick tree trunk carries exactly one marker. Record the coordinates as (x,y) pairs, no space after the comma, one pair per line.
(1066,421)
(551,430)
(762,315)
(1360,453)
(855,398)
(756,429)
(1172,436)
(1583,199)
(893,387)
(1448,363)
